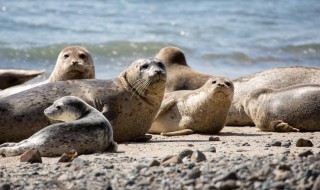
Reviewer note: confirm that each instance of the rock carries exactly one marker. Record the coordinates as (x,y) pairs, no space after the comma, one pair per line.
(152,163)
(214,139)
(316,185)
(69,156)
(31,156)
(190,145)
(286,144)
(276,143)
(108,166)
(166,158)
(245,144)
(304,143)
(227,185)
(210,149)
(173,160)
(284,167)
(185,153)
(189,182)
(194,173)
(198,156)
(4,186)
(306,153)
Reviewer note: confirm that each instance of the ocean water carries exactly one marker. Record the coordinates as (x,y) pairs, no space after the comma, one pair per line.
(228,38)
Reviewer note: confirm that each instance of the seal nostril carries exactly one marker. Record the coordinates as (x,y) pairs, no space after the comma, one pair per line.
(74,62)
(220,84)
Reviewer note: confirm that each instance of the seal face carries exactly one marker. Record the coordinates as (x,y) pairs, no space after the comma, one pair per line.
(203,110)
(291,109)
(180,75)
(130,102)
(85,129)
(74,62)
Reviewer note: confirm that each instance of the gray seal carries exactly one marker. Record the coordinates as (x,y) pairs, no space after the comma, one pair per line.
(74,62)
(13,77)
(130,102)
(291,109)
(84,129)
(202,110)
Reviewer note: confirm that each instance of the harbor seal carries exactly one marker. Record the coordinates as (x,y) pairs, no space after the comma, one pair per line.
(13,77)
(291,109)
(130,102)
(85,129)
(180,75)
(74,62)
(202,110)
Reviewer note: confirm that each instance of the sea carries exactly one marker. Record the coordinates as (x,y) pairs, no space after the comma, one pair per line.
(230,38)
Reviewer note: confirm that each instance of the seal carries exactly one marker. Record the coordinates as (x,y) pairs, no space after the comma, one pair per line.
(274,78)
(85,129)
(202,110)
(129,101)
(74,62)
(180,75)
(291,109)
(13,77)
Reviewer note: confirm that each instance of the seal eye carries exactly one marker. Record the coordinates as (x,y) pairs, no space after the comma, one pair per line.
(143,67)
(65,56)
(214,82)
(82,56)
(161,65)
(58,107)
(228,83)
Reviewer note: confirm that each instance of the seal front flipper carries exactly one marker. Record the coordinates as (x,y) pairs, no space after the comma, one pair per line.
(165,106)
(280,126)
(178,133)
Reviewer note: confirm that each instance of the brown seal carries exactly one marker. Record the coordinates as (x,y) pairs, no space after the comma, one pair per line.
(202,110)
(13,77)
(130,102)
(180,75)
(74,62)
(291,109)
(85,130)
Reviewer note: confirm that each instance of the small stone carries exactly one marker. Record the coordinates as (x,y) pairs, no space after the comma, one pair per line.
(153,163)
(173,160)
(228,176)
(210,149)
(284,167)
(214,139)
(276,143)
(227,185)
(194,173)
(304,143)
(166,158)
(78,162)
(4,186)
(63,177)
(306,153)
(245,144)
(69,156)
(191,165)
(190,145)
(316,185)
(185,153)
(189,182)
(198,156)
(31,156)
(286,144)
(108,166)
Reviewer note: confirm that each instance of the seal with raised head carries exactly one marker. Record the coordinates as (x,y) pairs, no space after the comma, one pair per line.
(74,62)
(180,75)
(130,102)
(84,129)
(202,110)
(13,77)
(291,109)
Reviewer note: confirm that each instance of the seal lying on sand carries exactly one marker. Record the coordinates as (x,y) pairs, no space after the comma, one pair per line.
(203,110)
(73,62)
(130,102)
(13,77)
(85,129)
(291,109)
(180,75)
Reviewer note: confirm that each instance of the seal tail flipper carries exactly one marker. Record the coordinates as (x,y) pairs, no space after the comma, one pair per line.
(178,133)
(12,151)
(113,147)
(165,106)
(280,126)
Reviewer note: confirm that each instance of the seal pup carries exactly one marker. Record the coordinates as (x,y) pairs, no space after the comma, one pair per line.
(74,62)
(202,110)
(85,129)
(180,75)
(13,77)
(291,109)
(130,102)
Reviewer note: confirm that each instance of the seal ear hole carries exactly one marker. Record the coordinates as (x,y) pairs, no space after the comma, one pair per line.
(58,107)
(83,56)
(143,67)
(65,56)
(214,82)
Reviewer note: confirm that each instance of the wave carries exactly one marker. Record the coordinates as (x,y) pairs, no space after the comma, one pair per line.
(304,48)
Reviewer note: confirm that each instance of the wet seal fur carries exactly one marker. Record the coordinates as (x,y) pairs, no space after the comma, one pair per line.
(85,129)
(291,109)
(13,77)
(180,75)
(74,62)
(130,102)
(203,110)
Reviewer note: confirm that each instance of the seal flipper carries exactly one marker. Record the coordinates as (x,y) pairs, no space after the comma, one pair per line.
(165,106)
(113,147)
(178,133)
(280,126)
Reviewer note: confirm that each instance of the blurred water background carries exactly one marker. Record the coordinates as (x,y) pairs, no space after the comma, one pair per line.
(227,38)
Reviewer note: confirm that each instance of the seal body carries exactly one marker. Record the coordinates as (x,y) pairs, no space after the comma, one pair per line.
(85,129)
(74,62)
(129,102)
(203,110)
(180,75)
(291,109)
(13,77)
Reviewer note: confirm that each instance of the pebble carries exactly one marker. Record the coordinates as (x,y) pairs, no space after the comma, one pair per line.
(198,156)
(172,160)
(305,153)
(214,138)
(245,144)
(185,153)
(4,186)
(304,143)
(68,156)
(227,185)
(286,144)
(31,156)
(210,149)
(316,185)
(194,173)
(276,143)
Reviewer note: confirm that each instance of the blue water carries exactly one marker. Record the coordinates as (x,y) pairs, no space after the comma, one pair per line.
(227,38)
